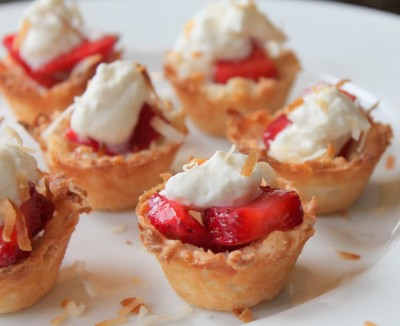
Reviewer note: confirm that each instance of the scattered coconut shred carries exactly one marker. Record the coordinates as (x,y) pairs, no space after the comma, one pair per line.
(348,255)
(390,162)
(71,309)
(245,315)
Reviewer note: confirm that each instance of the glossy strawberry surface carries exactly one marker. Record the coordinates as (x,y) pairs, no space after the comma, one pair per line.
(142,136)
(227,228)
(175,222)
(274,209)
(37,210)
(274,128)
(256,65)
(58,69)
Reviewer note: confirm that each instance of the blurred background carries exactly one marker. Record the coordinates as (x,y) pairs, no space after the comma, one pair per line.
(385,5)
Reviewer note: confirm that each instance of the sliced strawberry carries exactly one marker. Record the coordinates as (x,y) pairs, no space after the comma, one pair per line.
(9,251)
(255,66)
(59,68)
(174,221)
(274,128)
(38,210)
(141,138)
(144,133)
(274,209)
(65,62)
(351,96)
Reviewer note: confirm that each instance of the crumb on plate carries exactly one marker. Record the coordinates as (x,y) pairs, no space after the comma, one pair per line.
(245,315)
(348,255)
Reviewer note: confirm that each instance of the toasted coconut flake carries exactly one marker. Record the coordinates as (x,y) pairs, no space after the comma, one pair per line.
(119,228)
(166,130)
(21,34)
(348,255)
(245,315)
(390,162)
(23,240)
(187,29)
(53,126)
(369,323)
(127,301)
(71,309)
(229,153)
(295,104)
(147,319)
(197,216)
(251,161)
(341,82)
(8,212)
(12,134)
(372,107)
(23,186)
(121,314)
(186,167)
(323,105)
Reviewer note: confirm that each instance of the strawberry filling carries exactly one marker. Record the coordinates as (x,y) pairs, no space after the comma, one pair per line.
(255,66)
(282,121)
(231,227)
(37,210)
(142,136)
(274,128)
(58,69)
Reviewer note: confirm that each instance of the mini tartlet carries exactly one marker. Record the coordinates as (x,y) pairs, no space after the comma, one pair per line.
(339,172)
(222,276)
(118,138)
(30,260)
(217,65)
(50,59)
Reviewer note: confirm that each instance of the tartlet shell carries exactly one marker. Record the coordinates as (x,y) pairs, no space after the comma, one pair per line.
(28,100)
(24,283)
(113,183)
(207,103)
(337,183)
(232,280)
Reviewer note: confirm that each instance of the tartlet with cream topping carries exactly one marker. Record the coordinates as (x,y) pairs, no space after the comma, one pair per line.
(38,214)
(116,138)
(224,235)
(230,56)
(51,58)
(324,142)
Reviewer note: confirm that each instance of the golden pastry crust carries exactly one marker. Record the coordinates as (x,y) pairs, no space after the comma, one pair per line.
(27,99)
(232,280)
(25,282)
(203,100)
(336,182)
(113,182)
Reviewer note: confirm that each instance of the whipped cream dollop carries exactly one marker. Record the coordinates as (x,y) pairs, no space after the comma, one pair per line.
(14,159)
(218,182)
(109,109)
(326,117)
(222,30)
(50,28)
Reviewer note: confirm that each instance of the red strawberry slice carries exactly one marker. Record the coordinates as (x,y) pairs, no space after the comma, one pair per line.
(9,251)
(255,66)
(274,209)
(38,210)
(59,68)
(274,128)
(65,62)
(174,221)
(144,133)
(142,136)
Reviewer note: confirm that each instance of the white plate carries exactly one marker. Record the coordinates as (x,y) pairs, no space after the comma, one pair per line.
(331,40)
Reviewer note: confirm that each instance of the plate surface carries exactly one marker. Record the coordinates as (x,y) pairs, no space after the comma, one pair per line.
(332,41)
